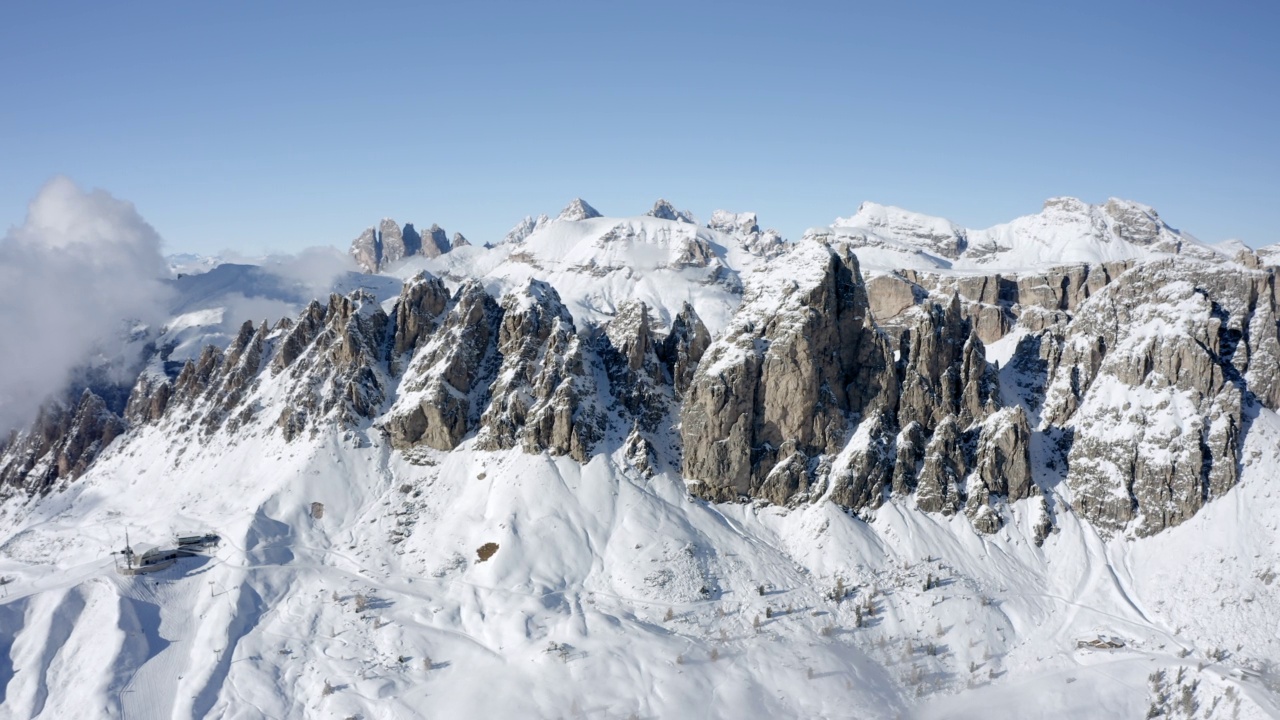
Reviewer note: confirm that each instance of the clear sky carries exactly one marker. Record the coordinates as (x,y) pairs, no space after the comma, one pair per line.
(282,125)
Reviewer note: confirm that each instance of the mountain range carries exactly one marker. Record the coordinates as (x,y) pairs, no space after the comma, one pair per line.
(646,467)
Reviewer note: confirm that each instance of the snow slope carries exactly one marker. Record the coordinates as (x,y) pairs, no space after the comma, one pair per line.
(1067,231)
(609,595)
(599,263)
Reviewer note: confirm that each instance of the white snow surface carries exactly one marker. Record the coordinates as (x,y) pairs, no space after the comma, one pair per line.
(598,263)
(1066,231)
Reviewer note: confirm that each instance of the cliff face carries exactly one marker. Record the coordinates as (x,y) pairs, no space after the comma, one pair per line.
(1140,381)
(1132,383)
(1155,377)
(380,247)
(804,395)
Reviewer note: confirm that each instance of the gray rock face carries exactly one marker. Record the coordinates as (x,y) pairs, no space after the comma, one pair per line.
(412,240)
(941,478)
(388,243)
(148,401)
(544,398)
(60,445)
(890,296)
(803,395)
(1153,378)
(445,387)
(945,371)
(694,252)
(629,351)
(995,303)
(1003,456)
(683,347)
(366,250)
(435,242)
(792,367)
(422,301)
(1002,467)
(393,245)
(666,211)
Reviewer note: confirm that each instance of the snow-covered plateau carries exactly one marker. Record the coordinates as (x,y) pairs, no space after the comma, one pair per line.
(641,467)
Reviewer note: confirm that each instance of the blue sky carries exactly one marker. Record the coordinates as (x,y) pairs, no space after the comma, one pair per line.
(285,125)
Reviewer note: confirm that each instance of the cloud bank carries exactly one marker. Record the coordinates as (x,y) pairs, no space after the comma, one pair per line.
(81,270)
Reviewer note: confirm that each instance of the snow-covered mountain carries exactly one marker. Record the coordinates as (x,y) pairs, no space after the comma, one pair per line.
(598,264)
(1066,231)
(639,467)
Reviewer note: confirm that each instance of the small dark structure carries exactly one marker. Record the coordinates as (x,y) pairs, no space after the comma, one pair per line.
(197,542)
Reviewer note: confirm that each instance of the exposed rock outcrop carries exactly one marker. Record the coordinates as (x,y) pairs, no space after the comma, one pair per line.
(795,364)
(445,387)
(60,445)
(683,347)
(422,301)
(765,243)
(1153,377)
(666,211)
(545,396)
(366,250)
(803,395)
(389,243)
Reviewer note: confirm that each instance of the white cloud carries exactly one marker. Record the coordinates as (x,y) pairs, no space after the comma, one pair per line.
(81,265)
(315,269)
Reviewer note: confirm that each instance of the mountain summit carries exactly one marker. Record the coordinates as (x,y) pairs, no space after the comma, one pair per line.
(578,209)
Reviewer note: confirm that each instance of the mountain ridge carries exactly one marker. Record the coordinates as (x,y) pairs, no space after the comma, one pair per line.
(733,455)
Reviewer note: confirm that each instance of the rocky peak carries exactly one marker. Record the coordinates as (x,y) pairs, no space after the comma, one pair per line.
(1153,376)
(435,242)
(60,445)
(745,227)
(525,228)
(412,240)
(744,223)
(578,209)
(629,352)
(544,397)
(366,250)
(683,347)
(458,241)
(934,234)
(1132,222)
(945,370)
(378,247)
(799,359)
(445,387)
(393,245)
(666,211)
(416,314)
(803,393)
